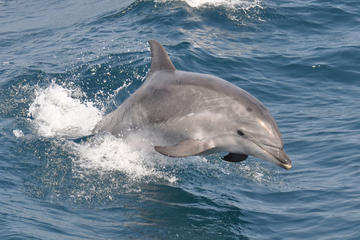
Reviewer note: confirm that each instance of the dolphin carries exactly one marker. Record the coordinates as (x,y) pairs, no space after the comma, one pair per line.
(185,114)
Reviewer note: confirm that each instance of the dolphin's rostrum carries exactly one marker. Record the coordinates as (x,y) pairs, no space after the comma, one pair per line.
(185,114)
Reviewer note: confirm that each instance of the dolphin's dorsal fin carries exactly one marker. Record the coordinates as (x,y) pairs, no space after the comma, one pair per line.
(159,58)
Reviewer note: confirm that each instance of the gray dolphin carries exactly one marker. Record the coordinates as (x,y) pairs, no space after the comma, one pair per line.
(185,114)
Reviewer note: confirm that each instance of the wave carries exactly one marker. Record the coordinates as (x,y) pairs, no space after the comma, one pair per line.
(243,4)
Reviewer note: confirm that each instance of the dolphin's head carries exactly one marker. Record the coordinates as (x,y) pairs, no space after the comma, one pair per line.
(262,139)
(254,132)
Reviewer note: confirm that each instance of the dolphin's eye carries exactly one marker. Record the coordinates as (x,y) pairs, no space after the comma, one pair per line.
(241,133)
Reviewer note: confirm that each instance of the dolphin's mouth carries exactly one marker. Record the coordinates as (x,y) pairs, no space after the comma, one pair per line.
(279,156)
(283,159)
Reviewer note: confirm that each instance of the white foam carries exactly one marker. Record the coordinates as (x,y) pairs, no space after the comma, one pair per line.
(243,4)
(106,153)
(58,111)
(18,133)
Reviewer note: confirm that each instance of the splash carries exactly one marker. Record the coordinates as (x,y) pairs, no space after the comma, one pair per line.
(18,133)
(106,153)
(58,111)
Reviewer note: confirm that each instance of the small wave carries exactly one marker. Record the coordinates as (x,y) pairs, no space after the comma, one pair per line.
(243,4)
(58,111)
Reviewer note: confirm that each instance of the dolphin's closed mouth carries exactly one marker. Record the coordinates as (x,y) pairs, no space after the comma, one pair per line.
(282,159)
(285,161)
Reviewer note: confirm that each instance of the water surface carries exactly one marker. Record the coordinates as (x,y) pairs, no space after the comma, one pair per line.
(65,64)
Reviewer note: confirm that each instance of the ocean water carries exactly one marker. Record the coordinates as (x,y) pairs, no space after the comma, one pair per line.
(65,64)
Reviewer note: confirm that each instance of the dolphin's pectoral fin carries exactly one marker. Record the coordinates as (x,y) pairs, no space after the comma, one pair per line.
(82,139)
(184,149)
(235,157)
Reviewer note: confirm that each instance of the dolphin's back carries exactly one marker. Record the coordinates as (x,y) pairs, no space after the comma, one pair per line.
(169,97)
(175,94)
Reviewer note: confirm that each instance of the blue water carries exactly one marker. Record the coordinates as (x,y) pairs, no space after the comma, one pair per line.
(64,64)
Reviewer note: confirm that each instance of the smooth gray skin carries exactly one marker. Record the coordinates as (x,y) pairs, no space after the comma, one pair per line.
(184,114)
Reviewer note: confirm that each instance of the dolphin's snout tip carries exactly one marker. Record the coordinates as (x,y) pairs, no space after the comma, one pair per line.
(279,157)
(284,160)
(286,166)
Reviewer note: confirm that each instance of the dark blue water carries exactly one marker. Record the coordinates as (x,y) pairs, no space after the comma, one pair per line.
(63,64)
